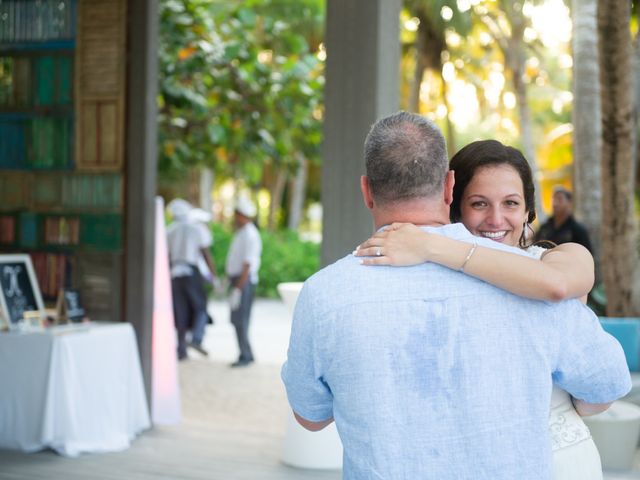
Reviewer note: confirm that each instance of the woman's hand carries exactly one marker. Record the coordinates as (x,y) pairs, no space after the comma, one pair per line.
(399,244)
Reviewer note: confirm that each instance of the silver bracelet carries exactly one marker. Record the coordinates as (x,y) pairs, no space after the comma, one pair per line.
(464,264)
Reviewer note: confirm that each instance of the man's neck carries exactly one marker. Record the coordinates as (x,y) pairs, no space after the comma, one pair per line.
(418,213)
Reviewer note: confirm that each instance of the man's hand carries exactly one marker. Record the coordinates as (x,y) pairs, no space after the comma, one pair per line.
(234,298)
(208,277)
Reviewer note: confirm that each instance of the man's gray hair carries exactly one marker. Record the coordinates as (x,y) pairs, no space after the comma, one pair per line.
(406,158)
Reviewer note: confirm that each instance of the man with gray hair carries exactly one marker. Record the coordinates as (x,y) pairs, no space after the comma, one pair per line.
(429,373)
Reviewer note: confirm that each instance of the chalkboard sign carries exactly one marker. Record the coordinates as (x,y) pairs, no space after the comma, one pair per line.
(19,290)
(69,307)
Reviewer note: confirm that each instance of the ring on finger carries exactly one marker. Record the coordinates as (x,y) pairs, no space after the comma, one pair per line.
(378,252)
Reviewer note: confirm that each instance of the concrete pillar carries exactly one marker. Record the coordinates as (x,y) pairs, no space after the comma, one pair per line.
(362,85)
(141,155)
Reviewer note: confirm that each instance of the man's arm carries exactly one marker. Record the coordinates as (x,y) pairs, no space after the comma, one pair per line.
(209,260)
(591,365)
(585,409)
(313,426)
(308,393)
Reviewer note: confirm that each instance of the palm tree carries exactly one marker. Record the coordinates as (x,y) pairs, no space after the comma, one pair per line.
(620,260)
(429,45)
(587,121)
(507,29)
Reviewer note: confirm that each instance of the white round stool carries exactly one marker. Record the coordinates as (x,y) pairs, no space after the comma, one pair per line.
(615,433)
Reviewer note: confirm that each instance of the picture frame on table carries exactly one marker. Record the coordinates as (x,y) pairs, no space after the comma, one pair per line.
(19,289)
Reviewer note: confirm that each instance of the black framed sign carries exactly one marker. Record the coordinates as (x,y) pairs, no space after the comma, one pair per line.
(19,289)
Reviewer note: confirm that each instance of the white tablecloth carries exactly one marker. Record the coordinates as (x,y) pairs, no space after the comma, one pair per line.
(74,390)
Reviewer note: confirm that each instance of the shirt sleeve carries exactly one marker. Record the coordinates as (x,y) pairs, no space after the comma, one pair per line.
(308,394)
(591,363)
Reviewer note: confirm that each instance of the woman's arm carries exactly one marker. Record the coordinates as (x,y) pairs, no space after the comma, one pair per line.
(566,271)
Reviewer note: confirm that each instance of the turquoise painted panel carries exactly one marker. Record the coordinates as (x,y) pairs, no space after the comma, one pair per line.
(627,332)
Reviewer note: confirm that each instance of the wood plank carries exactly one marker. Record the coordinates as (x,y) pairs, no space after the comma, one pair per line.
(100,80)
(108,145)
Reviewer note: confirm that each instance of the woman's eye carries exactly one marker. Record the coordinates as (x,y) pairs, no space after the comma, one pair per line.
(478,204)
(512,203)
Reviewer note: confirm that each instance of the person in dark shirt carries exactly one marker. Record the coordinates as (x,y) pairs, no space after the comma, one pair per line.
(562,227)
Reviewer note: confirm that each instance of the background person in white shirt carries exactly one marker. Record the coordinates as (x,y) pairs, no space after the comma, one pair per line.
(243,263)
(187,245)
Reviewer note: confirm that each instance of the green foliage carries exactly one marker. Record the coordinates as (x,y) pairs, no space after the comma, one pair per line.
(285,258)
(240,86)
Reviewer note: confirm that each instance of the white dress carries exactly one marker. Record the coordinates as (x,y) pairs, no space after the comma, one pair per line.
(575,456)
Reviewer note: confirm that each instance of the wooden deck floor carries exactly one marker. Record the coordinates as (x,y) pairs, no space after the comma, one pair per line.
(166,453)
(232,429)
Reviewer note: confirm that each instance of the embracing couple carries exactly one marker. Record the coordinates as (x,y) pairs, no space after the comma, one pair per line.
(451,367)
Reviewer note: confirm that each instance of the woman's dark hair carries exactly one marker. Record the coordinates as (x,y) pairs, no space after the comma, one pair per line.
(484,153)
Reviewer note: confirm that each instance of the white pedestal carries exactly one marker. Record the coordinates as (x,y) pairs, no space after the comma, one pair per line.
(615,433)
(289,292)
(315,450)
(302,448)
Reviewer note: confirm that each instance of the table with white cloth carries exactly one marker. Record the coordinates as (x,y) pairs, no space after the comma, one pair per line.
(74,388)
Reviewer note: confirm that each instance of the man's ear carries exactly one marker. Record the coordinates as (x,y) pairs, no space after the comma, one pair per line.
(366,192)
(449,182)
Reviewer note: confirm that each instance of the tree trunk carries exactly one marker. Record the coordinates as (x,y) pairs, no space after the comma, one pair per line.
(526,132)
(515,58)
(193,186)
(206,187)
(620,262)
(298,193)
(451,135)
(636,69)
(276,191)
(421,44)
(587,128)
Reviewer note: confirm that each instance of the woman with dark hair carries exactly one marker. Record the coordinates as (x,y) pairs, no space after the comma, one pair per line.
(483,202)
(494,198)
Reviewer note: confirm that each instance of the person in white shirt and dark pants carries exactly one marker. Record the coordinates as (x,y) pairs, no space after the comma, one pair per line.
(187,245)
(243,263)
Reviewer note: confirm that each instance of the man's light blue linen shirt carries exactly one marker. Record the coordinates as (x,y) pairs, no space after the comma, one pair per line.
(432,374)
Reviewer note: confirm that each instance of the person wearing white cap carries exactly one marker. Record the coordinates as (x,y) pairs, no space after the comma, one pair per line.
(243,263)
(187,245)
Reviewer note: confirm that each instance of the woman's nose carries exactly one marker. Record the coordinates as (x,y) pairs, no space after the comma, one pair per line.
(494,217)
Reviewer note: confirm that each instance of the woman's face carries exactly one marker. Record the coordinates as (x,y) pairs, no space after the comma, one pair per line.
(493,204)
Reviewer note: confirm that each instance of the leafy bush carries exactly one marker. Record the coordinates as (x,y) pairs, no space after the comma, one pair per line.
(285,258)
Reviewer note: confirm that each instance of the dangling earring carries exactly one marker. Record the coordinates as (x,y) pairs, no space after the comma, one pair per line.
(523,236)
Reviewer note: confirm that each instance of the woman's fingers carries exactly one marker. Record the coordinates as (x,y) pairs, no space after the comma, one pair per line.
(382,260)
(396,226)
(371,242)
(372,251)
